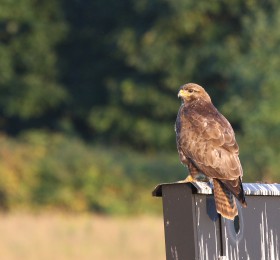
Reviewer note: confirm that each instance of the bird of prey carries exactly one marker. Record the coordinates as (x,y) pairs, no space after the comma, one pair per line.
(206,145)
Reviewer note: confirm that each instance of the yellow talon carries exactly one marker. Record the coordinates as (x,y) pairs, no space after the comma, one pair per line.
(188,179)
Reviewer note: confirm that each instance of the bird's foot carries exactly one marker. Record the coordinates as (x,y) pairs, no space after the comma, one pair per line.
(188,179)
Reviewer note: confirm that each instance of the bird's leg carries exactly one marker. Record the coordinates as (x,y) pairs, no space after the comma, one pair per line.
(194,173)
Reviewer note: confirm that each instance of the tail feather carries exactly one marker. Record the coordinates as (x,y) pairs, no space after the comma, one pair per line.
(235,186)
(224,199)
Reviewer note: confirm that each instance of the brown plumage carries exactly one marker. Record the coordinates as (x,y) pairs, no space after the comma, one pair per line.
(206,144)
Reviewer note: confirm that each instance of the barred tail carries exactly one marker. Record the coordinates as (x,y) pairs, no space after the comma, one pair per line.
(224,199)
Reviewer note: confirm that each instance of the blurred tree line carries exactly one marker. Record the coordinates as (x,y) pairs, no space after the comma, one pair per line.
(107,73)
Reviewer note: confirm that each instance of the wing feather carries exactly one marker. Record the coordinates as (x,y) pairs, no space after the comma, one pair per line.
(209,141)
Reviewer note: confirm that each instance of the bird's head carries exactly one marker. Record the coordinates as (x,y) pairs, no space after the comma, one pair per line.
(191,92)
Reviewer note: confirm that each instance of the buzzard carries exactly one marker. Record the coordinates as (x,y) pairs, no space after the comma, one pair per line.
(206,145)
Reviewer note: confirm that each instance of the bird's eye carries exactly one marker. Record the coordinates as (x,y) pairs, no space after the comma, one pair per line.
(190,90)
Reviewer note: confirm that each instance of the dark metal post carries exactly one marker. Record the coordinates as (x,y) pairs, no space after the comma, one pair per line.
(194,230)
(179,223)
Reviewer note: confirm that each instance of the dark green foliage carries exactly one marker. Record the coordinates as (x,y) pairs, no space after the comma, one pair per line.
(29,31)
(108,72)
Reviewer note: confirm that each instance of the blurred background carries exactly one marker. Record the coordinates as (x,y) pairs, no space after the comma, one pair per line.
(88,101)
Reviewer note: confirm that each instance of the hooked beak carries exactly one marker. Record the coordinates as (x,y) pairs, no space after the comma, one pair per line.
(180,93)
(183,94)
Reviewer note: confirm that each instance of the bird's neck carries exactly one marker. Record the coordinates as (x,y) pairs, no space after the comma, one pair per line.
(197,103)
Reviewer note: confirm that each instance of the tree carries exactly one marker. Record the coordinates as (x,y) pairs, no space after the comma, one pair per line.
(110,70)
(164,44)
(255,95)
(29,32)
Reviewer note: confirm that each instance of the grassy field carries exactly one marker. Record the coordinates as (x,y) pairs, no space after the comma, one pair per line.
(59,237)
